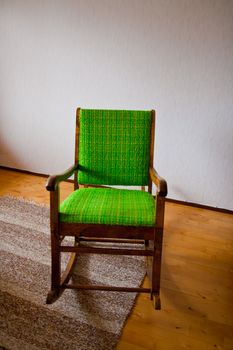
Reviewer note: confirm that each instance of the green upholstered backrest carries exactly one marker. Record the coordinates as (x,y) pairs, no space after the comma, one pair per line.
(114,147)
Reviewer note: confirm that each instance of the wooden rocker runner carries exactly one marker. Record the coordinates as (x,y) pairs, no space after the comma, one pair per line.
(113,147)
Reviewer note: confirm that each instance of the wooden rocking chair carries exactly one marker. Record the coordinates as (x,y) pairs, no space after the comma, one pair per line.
(113,147)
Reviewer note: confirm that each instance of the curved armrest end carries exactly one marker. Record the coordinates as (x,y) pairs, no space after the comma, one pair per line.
(51,183)
(160,182)
(54,180)
(163,188)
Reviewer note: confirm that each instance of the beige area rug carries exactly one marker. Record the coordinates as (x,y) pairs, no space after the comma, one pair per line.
(81,320)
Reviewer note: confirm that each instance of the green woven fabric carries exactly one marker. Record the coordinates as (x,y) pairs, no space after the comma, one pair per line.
(114,147)
(109,206)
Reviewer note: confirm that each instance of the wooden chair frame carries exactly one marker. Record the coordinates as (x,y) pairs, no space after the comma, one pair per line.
(151,237)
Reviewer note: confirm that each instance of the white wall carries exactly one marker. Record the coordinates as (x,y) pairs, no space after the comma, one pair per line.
(174,56)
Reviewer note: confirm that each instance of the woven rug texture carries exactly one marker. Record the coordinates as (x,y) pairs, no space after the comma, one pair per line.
(81,320)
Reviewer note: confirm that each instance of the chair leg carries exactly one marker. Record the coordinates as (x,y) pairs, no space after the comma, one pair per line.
(156,268)
(54,293)
(58,280)
(149,260)
(155,287)
(156,301)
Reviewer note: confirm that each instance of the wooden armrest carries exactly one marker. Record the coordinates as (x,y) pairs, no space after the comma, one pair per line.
(54,180)
(160,183)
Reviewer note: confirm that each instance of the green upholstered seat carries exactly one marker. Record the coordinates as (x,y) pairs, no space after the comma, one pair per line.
(114,147)
(109,206)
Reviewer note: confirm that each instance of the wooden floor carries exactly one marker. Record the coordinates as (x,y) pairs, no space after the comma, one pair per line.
(197,277)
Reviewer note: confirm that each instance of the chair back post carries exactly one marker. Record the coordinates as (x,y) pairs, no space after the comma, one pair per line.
(77,129)
(152,141)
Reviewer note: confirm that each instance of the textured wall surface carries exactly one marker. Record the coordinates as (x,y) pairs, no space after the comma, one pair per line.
(175,56)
